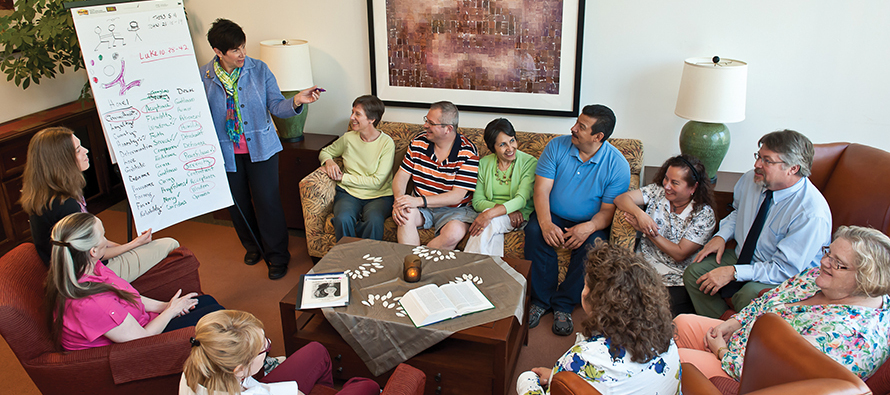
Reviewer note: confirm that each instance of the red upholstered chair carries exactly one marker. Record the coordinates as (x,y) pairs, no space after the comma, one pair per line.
(778,360)
(405,380)
(151,365)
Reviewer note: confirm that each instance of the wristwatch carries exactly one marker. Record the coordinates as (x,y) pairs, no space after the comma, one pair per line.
(735,276)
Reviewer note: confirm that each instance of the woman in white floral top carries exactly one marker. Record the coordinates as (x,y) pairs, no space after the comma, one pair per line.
(841,307)
(625,346)
(677,221)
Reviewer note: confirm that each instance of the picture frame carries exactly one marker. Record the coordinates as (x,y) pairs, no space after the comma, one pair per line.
(482,55)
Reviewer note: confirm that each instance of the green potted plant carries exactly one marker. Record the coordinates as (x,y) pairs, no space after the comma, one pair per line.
(38,40)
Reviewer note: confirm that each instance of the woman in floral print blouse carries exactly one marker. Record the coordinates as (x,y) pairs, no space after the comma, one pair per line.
(841,307)
(676,220)
(625,346)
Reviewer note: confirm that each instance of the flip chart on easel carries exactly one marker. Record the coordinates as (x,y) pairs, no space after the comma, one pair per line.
(144,77)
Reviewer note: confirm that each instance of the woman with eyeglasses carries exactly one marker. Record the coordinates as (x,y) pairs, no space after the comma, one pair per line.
(841,307)
(231,346)
(676,220)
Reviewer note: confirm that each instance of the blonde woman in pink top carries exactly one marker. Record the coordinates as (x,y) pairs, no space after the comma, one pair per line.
(90,306)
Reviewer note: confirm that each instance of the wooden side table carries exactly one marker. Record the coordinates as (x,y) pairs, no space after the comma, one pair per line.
(295,161)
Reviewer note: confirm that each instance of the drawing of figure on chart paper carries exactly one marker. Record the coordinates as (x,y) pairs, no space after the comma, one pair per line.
(134,28)
(110,38)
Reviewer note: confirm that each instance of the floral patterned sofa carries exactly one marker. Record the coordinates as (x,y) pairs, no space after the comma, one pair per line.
(317,191)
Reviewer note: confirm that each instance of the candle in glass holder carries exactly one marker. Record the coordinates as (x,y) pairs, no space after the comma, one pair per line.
(412,268)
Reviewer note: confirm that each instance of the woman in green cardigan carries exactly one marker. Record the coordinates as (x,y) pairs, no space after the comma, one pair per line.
(504,190)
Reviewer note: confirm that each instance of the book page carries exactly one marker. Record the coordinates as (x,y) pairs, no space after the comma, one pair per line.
(467,298)
(427,305)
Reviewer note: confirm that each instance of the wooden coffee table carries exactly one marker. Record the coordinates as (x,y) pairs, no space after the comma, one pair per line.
(478,360)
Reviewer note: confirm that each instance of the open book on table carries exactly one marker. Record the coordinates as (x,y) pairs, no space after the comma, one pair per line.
(430,303)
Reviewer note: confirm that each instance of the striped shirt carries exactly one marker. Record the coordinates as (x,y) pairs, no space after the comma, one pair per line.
(431,178)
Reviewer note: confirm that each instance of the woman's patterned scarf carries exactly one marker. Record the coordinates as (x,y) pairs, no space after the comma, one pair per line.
(233,113)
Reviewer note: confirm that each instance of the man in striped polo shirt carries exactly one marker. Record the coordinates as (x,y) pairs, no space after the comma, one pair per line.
(577,179)
(443,165)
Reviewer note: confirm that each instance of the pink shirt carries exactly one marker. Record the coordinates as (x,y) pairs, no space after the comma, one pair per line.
(87,320)
(241,147)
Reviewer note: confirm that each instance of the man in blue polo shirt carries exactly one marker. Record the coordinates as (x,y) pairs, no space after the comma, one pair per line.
(576,181)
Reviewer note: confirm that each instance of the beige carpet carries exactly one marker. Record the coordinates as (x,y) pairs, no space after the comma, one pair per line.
(238,286)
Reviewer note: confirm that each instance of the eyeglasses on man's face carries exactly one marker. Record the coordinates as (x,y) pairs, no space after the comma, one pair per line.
(765,161)
(431,123)
(834,262)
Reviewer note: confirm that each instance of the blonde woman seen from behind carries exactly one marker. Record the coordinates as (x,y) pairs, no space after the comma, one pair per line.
(229,348)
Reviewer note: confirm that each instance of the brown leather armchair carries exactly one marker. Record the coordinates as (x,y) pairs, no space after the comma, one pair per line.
(778,360)
(692,382)
(151,365)
(405,380)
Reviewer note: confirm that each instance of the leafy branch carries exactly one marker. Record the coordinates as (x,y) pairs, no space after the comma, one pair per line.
(38,40)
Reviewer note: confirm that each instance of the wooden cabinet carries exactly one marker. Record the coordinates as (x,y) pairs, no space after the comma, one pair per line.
(295,161)
(104,187)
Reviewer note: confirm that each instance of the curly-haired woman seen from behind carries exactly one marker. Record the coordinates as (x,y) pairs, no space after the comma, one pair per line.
(625,346)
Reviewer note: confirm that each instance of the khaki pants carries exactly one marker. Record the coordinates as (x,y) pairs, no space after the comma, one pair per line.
(713,305)
(134,263)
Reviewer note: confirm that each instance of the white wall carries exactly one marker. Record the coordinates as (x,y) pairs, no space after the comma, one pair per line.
(818,67)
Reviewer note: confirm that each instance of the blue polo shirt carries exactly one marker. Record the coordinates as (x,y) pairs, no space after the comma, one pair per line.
(579,188)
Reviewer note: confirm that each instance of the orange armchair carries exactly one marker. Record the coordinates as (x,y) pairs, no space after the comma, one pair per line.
(569,383)
(778,360)
(150,365)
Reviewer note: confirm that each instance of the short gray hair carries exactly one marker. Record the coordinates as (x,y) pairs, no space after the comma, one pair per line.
(793,148)
(450,115)
(871,250)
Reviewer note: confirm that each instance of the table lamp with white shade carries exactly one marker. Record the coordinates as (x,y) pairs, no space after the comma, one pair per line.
(289,62)
(712,93)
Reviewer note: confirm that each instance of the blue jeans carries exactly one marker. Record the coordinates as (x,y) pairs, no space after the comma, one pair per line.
(354,217)
(544,277)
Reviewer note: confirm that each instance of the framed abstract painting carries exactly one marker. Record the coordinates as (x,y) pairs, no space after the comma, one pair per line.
(509,56)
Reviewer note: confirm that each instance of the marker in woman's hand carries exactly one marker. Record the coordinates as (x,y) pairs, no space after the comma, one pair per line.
(320,90)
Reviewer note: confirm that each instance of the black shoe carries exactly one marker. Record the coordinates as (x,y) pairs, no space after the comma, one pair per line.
(251,258)
(277,271)
(534,315)
(562,323)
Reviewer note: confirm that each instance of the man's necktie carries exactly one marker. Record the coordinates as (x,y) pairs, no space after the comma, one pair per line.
(750,243)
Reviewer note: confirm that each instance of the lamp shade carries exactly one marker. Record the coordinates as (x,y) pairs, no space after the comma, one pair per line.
(713,92)
(289,62)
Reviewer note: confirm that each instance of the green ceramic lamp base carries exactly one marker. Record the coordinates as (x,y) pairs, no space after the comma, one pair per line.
(706,141)
(290,130)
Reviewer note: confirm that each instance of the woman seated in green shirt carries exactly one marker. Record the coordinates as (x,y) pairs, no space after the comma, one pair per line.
(504,190)
(364,190)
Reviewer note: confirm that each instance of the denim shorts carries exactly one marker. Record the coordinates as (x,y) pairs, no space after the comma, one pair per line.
(439,216)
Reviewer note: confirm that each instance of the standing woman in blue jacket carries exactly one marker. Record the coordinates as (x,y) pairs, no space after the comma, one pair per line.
(242,92)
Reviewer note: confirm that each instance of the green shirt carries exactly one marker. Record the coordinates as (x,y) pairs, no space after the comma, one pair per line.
(367,172)
(489,192)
